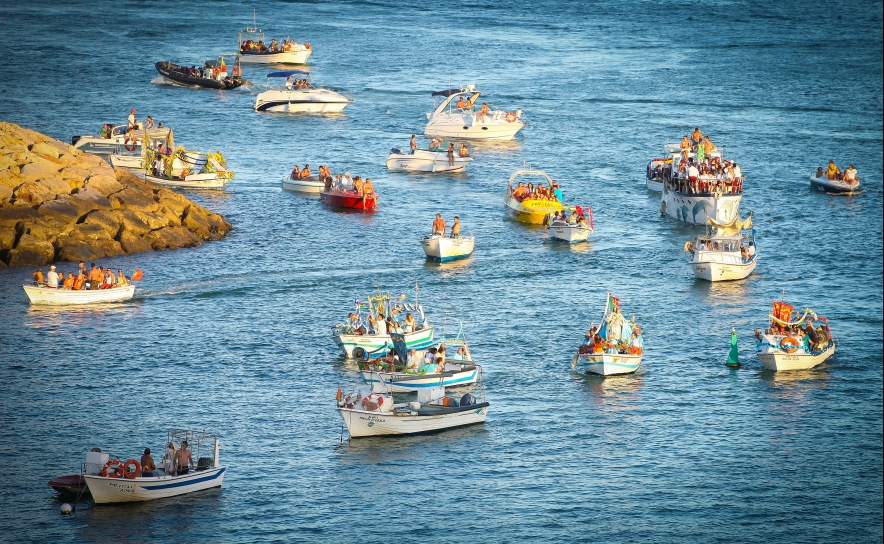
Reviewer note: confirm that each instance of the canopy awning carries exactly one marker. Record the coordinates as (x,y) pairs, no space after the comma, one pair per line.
(448,92)
(288,73)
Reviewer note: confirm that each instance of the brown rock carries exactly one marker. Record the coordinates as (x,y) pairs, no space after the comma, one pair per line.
(155,220)
(104,184)
(32,193)
(92,161)
(46,229)
(45,149)
(132,199)
(31,252)
(132,222)
(86,200)
(6,193)
(60,210)
(172,200)
(109,220)
(217,224)
(38,168)
(90,231)
(11,179)
(70,249)
(11,216)
(195,220)
(7,162)
(172,238)
(7,237)
(132,243)
(172,219)
(55,185)
(63,148)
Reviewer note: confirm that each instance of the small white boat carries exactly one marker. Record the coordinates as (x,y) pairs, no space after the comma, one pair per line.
(357,339)
(785,345)
(725,252)
(207,180)
(114,481)
(468,122)
(578,231)
(310,99)
(823,183)
(616,348)
(368,414)
(40,294)
(445,248)
(184,169)
(311,184)
(294,53)
(424,160)
(118,140)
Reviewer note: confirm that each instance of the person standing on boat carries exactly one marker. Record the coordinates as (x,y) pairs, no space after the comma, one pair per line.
(147,464)
(455,228)
(696,137)
(169,459)
(439,225)
(413,144)
(381,326)
(451,154)
(557,191)
(184,459)
(288,83)
(409,325)
(132,121)
(52,278)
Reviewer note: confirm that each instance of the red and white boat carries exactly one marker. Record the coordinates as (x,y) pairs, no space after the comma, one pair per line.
(349,199)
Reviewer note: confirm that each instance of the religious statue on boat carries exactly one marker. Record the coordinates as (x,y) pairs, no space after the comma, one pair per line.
(798,344)
(615,348)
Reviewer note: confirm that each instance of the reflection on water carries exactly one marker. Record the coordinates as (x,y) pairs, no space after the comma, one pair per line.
(562,246)
(448,266)
(619,392)
(74,317)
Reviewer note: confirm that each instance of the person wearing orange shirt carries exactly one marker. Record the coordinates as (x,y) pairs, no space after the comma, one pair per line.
(69,281)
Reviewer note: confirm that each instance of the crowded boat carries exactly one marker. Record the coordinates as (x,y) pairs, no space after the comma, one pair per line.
(571,227)
(213,74)
(791,342)
(345,191)
(165,164)
(530,203)
(727,251)
(81,285)
(833,180)
(254,49)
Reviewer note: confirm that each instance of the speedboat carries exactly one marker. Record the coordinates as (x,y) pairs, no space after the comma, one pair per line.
(113,481)
(342,198)
(426,160)
(41,294)
(694,201)
(399,371)
(468,122)
(358,339)
(577,231)
(529,210)
(310,184)
(785,345)
(309,99)
(213,74)
(252,49)
(616,348)
(447,248)
(823,183)
(725,252)
(96,144)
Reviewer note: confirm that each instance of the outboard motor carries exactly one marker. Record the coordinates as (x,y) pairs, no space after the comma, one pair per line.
(467,400)
(395,151)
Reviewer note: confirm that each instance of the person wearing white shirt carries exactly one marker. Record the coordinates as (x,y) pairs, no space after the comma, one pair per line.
(738,172)
(381,329)
(414,360)
(131,119)
(52,278)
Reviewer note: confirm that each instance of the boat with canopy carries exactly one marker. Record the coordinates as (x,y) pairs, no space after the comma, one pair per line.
(794,344)
(615,348)
(458,116)
(212,74)
(528,209)
(253,50)
(726,252)
(306,98)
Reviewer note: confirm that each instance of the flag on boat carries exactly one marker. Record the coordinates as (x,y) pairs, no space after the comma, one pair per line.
(733,358)
(613,302)
(223,66)
(782,311)
(137,275)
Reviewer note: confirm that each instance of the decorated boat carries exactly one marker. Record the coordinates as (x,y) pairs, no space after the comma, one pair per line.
(182,168)
(458,116)
(112,480)
(310,184)
(349,199)
(401,371)
(253,50)
(726,252)
(448,248)
(798,344)
(306,98)
(117,138)
(572,232)
(529,210)
(365,331)
(693,200)
(615,348)
(42,294)
(823,183)
(425,160)
(366,413)
(213,74)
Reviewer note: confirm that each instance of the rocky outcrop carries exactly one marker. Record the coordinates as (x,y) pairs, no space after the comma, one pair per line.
(57,203)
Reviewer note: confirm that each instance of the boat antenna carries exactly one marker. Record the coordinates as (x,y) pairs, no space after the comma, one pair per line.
(416,299)
(255,18)
(784,296)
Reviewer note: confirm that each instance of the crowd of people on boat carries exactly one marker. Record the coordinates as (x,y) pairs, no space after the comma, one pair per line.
(710,175)
(810,338)
(81,279)
(747,249)
(251,46)
(380,324)
(431,361)
(298,84)
(594,343)
(440,228)
(342,183)
(576,217)
(523,192)
(833,173)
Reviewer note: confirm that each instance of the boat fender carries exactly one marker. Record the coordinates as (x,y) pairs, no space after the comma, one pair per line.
(414,405)
(663,207)
(127,473)
(789,341)
(467,400)
(511,117)
(358,353)
(112,464)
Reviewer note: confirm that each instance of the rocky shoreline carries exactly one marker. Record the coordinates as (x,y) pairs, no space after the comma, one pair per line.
(59,204)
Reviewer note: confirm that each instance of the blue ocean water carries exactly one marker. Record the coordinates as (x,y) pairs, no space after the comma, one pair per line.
(234,336)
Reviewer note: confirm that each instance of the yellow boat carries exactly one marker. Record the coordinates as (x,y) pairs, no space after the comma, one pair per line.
(530,211)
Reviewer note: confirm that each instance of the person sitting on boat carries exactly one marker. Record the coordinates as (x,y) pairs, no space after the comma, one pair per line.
(368,187)
(413,144)
(149,123)
(636,344)
(483,112)
(463,152)
(288,83)
(147,464)
(455,228)
(347,182)
(38,277)
(819,172)
(274,45)
(414,361)
(358,185)
(850,175)
(685,146)
(296,173)
(435,144)
(409,324)
(744,253)
(582,221)
(184,459)
(439,225)
(572,219)
(519,192)
(305,173)
(121,278)
(105,131)
(430,356)
(440,354)
(461,104)
(430,368)
(598,345)
(69,281)
(381,326)
(107,282)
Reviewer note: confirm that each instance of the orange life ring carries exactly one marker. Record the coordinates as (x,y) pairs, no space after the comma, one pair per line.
(134,145)
(126,465)
(789,341)
(511,117)
(113,463)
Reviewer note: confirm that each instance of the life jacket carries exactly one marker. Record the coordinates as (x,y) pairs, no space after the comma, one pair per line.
(78,283)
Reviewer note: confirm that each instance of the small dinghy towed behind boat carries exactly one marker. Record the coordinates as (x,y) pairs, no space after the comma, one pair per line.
(785,345)
(616,348)
(304,99)
(212,75)
(725,252)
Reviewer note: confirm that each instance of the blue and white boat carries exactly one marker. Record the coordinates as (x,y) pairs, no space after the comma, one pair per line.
(305,98)
(616,348)
(113,481)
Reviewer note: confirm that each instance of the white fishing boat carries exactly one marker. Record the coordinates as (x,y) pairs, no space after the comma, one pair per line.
(369,414)
(251,52)
(310,184)
(823,183)
(41,294)
(207,180)
(117,140)
(567,231)
(114,481)
(400,371)
(458,116)
(785,345)
(424,160)
(184,169)
(306,99)
(694,200)
(725,252)
(616,348)
(447,248)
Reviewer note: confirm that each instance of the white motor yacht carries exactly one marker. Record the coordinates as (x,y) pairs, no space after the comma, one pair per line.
(458,116)
(429,158)
(725,252)
(292,98)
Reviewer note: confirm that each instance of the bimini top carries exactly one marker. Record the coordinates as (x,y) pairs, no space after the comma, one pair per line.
(289,73)
(449,92)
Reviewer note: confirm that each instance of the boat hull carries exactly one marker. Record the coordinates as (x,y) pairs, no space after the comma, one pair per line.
(308,185)
(654,185)
(129,162)
(716,271)
(448,249)
(777,360)
(696,208)
(402,382)
(178,74)
(350,200)
(467,126)
(833,186)
(301,101)
(426,161)
(362,423)
(50,296)
(349,342)
(534,212)
(194,181)
(74,484)
(569,233)
(610,364)
(282,57)
(113,490)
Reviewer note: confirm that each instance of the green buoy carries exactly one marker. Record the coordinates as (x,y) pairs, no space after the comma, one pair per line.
(733,358)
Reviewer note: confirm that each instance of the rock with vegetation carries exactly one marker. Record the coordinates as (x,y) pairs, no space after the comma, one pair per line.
(59,204)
